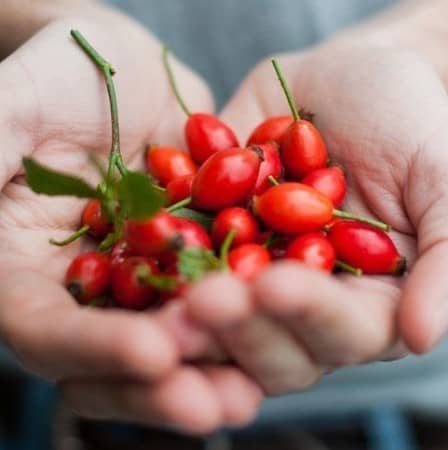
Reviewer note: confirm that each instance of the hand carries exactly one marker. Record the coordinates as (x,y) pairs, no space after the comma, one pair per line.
(383,114)
(54,107)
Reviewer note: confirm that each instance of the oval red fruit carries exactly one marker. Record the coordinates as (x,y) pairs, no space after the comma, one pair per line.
(366,247)
(93,217)
(226,179)
(130,288)
(293,208)
(271,166)
(206,134)
(120,251)
(314,250)
(153,236)
(329,181)
(249,260)
(179,189)
(238,219)
(88,276)
(271,129)
(168,163)
(302,150)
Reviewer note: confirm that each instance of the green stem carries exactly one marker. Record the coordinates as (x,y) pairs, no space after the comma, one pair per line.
(179,205)
(273,181)
(348,268)
(376,223)
(115,158)
(160,282)
(72,238)
(172,80)
(225,247)
(286,90)
(270,240)
(158,188)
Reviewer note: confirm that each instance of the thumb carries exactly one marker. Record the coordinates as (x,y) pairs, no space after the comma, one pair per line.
(423,311)
(260,95)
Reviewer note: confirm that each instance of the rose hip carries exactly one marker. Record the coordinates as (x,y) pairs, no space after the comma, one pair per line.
(88,276)
(179,189)
(120,251)
(205,133)
(153,236)
(248,261)
(226,179)
(131,286)
(314,250)
(329,181)
(271,166)
(293,208)
(271,129)
(366,247)
(168,163)
(302,148)
(238,219)
(93,217)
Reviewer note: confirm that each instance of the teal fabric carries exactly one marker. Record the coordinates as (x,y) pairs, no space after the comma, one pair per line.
(223,39)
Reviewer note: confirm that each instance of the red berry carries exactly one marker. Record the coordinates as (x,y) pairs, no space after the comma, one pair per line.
(302,150)
(88,276)
(153,236)
(131,288)
(191,234)
(179,189)
(329,181)
(206,134)
(238,219)
(366,247)
(168,163)
(271,166)
(271,129)
(93,217)
(119,253)
(181,287)
(293,208)
(249,260)
(226,179)
(314,250)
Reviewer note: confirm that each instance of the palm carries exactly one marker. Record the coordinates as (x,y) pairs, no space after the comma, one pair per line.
(70,117)
(382,115)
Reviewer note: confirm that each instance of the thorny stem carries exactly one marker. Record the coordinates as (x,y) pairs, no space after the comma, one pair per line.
(115,157)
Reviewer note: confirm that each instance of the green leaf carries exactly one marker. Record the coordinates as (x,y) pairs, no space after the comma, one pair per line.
(202,219)
(195,262)
(43,180)
(139,199)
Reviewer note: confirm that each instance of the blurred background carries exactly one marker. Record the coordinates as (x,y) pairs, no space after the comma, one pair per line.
(399,405)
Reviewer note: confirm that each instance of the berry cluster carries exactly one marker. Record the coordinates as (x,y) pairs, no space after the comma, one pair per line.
(219,206)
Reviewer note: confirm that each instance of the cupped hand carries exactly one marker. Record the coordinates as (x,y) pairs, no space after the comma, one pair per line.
(383,114)
(54,107)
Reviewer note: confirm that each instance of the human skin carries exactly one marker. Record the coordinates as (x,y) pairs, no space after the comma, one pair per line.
(54,107)
(380,99)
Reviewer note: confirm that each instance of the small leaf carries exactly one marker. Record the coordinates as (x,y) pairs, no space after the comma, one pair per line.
(139,199)
(43,180)
(195,262)
(202,219)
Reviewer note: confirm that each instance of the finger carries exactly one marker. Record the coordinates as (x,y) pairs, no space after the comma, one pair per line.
(240,397)
(259,94)
(262,348)
(184,399)
(423,314)
(339,323)
(193,340)
(55,337)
